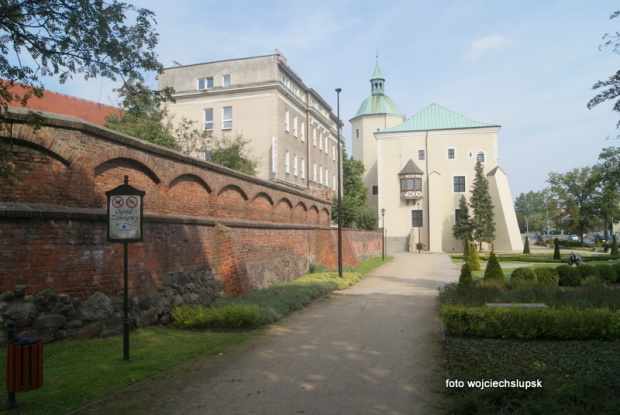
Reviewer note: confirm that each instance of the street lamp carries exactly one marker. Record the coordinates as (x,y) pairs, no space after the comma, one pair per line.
(339,187)
(382,235)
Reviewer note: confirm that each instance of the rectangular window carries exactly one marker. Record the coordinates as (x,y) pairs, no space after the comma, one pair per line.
(357,133)
(295,165)
(459,184)
(302,132)
(287,163)
(314,136)
(208,119)
(314,172)
(416,219)
(205,83)
(286,121)
(295,126)
(326,177)
(226,80)
(457,212)
(320,141)
(451,154)
(334,181)
(411,184)
(375,189)
(421,155)
(207,155)
(327,144)
(226,118)
(303,168)
(321,174)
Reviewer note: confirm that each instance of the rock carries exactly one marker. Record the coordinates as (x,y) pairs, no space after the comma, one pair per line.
(7,296)
(20,290)
(46,299)
(64,298)
(97,307)
(89,332)
(23,314)
(109,333)
(144,302)
(50,321)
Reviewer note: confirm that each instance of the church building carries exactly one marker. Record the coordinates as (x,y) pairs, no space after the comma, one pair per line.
(418,168)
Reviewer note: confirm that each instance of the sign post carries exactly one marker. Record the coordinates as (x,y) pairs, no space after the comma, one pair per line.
(125,213)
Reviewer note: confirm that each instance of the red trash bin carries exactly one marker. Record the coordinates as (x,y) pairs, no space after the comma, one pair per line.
(24,364)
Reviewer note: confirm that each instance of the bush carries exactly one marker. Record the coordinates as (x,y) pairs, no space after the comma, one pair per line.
(614,246)
(317,267)
(523,274)
(556,249)
(607,273)
(616,267)
(588,271)
(472,259)
(493,270)
(465,279)
(526,247)
(546,276)
(569,276)
(224,316)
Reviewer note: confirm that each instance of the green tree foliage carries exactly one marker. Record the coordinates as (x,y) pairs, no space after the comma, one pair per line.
(526,247)
(50,38)
(494,270)
(465,278)
(531,210)
(611,87)
(576,194)
(462,229)
(556,249)
(483,221)
(354,195)
(523,274)
(614,246)
(473,260)
(234,155)
(466,247)
(606,176)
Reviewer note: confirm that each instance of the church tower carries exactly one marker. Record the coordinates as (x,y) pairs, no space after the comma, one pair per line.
(377,113)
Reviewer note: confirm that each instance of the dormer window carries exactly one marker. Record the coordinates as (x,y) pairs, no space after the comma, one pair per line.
(411,182)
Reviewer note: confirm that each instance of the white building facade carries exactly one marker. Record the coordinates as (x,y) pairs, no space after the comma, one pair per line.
(417,170)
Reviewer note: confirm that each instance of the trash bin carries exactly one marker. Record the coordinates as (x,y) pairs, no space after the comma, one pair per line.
(24,364)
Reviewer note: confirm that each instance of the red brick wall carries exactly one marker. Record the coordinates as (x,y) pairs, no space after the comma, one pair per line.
(250,232)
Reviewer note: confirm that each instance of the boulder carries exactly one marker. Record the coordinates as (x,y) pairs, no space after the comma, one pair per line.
(50,321)
(97,307)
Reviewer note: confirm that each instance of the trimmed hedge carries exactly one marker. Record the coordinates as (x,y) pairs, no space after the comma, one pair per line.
(546,276)
(569,276)
(523,274)
(607,273)
(531,323)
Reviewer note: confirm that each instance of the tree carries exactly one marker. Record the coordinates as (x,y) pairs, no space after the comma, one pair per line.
(556,249)
(526,247)
(613,83)
(607,176)
(354,193)
(64,38)
(494,270)
(466,280)
(233,154)
(462,229)
(531,210)
(483,221)
(473,260)
(576,194)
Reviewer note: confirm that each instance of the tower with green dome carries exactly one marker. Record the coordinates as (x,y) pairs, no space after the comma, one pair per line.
(377,113)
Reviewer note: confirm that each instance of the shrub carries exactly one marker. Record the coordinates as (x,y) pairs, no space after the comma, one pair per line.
(614,246)
(494,270)
(317,267)
(235,316)
(465,279)
(607,273)
(546,276)
(526,247)
(587,271)
(523,274)
(569,276)
(616,267)
(472,259)
(556,249)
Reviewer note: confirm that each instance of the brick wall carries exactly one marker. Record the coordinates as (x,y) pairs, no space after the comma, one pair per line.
(198,215)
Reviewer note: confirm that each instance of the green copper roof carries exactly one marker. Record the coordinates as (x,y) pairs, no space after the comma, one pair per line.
(377,74)
(436,117)
(377,104)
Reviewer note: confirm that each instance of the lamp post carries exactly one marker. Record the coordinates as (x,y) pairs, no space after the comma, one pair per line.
(339,187)
(419,236)
(382,235)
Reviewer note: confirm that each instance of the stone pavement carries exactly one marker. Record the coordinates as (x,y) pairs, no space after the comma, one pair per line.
(370,349)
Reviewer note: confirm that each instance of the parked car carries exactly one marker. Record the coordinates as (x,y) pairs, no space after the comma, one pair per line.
(573,238)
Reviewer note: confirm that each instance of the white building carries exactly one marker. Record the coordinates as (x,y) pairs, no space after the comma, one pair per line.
(291,129)
(417,170)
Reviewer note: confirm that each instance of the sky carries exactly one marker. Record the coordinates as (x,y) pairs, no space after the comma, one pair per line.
(527,65)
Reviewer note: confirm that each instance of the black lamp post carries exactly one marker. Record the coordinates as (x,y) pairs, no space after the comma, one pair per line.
(382,235)
(339,187)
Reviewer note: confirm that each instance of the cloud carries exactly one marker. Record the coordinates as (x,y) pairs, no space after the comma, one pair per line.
(485,46)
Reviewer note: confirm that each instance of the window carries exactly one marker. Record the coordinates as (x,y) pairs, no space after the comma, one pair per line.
(303,168)
(480,157)
(375,189)
(416,219)
(314,172)
(357,133)
(205,83)
(459,184)
(327,144)
(411,184)
(287,163)
(321,141)
(451,155)
(226,118)
(321,174)
(286,121)
(226,80)
(295,165)
(295,126)
(334,181)
(207,155)
(302,132)
(314,136)
(421,155)
(457,213)
(326,177)
(208,119)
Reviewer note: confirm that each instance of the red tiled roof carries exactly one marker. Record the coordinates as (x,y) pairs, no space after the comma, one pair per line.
(67,105)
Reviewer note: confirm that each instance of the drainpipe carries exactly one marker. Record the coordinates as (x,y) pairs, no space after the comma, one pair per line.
(428,193)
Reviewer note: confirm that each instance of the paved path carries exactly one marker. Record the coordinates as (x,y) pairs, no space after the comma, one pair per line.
(370,349)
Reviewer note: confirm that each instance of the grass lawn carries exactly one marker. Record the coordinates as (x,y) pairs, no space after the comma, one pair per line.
(76,372)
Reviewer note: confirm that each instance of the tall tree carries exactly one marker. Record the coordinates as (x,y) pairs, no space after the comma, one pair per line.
(612,85)
(576,195)
(354,195)
(531,209)
(234,155)
(61,38)
(607,175)
(462,229)
(483,221)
